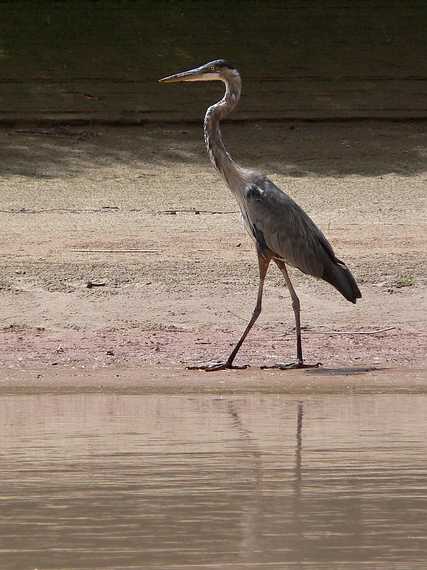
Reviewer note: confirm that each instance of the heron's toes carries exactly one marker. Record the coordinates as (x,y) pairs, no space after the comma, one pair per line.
(291,366)
(217,365)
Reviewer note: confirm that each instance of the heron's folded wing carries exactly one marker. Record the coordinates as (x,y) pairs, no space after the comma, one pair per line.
(276,221)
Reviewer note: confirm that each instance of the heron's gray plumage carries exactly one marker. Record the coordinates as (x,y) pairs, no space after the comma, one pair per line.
(271,217)
(282,231)
(292,236)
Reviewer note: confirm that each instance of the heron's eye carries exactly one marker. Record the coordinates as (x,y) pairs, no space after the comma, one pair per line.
(212,68)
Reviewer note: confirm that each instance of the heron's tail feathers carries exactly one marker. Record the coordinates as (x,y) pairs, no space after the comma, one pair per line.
(339,275)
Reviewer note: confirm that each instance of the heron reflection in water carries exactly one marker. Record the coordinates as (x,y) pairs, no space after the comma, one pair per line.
(282,231)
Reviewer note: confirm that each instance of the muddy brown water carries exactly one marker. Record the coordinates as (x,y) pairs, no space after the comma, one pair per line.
(108,481)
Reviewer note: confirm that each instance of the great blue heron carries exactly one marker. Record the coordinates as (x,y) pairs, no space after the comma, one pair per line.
(282,231)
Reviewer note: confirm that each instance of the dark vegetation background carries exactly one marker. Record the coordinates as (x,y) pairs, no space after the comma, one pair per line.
(100,61)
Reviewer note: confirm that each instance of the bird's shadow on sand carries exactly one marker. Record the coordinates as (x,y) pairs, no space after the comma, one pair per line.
(343,371)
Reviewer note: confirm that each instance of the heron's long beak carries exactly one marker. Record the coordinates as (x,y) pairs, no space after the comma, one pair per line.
(197,74)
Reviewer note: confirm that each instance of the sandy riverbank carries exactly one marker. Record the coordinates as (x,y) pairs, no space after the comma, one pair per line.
(141,212)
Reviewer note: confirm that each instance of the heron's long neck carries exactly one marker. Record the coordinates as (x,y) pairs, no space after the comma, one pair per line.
(218,154)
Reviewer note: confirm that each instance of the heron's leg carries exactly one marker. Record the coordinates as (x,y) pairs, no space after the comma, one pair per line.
(297,312)
(263,263)
(296,306)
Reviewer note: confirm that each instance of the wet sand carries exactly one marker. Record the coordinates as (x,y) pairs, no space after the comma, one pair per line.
(176,381)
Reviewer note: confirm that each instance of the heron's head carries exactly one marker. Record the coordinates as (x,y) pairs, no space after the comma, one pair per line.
(218,70)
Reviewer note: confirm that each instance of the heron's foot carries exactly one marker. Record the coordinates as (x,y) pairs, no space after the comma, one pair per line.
(292,365)
(217,365)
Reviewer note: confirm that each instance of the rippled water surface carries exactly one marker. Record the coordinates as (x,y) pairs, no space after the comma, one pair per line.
(259,481)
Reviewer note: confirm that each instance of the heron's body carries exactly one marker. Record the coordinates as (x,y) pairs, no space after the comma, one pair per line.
(282,231)
(279,225)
